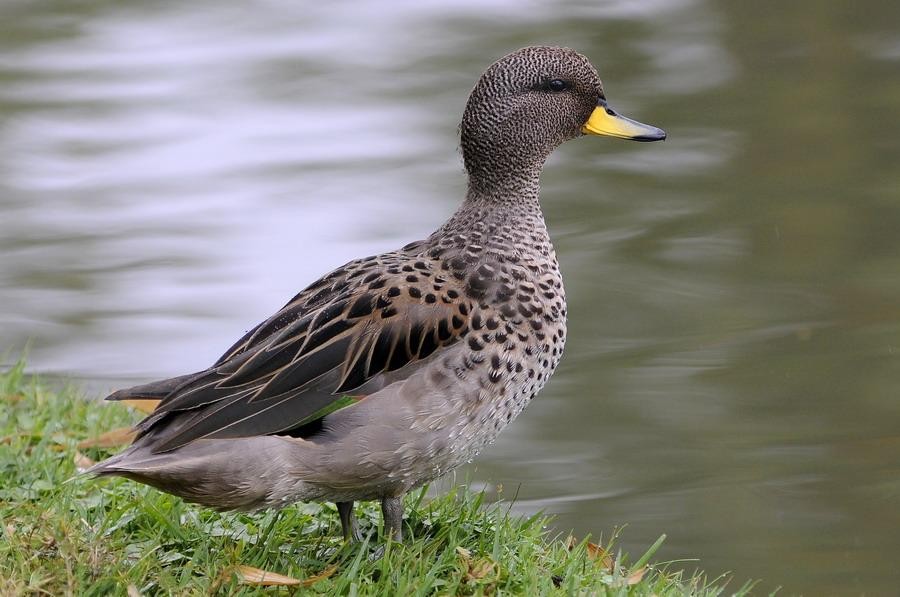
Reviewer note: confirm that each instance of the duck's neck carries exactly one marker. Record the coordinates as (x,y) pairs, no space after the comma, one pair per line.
(514,193)
(499,211)
(514,189)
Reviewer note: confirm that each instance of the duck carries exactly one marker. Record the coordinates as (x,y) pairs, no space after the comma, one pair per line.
(394,369)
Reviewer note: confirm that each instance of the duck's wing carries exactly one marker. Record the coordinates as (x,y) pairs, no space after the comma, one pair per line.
(305,361)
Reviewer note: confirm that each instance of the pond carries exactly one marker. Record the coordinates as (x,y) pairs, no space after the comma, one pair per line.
(172,173)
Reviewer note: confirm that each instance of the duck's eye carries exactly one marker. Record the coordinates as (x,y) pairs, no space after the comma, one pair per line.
(557,85)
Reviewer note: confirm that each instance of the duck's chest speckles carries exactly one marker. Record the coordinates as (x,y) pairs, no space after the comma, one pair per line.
(509,274)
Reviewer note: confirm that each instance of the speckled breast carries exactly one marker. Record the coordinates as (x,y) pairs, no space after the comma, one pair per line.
(514,339)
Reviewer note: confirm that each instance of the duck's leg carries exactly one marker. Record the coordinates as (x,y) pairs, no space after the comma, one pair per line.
(392,510)
(349,524)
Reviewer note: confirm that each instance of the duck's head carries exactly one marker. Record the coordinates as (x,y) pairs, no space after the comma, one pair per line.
(528,103)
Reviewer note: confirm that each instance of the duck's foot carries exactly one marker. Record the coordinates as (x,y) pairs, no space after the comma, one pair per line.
(349,524)
(392,511)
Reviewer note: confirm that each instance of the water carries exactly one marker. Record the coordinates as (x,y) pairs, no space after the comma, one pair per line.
(173,172)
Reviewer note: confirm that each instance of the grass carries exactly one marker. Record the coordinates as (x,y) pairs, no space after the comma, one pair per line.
(68,534)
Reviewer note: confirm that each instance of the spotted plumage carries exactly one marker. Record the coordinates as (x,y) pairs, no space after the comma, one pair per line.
(393,369)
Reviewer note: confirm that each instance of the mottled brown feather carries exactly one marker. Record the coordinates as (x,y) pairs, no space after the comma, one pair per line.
(317,348)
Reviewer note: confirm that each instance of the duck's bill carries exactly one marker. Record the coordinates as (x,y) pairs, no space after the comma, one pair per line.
(607,122)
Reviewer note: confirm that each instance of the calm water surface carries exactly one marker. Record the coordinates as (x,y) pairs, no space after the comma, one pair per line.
(171,173)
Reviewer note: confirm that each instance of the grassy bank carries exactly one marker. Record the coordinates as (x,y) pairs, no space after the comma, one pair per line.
(67,534)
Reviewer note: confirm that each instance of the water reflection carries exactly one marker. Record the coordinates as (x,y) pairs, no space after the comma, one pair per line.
(173,173)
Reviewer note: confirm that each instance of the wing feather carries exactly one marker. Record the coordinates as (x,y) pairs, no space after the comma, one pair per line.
(293,368)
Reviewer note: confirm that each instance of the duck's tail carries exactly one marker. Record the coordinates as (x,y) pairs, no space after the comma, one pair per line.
(226,474)
(155,390)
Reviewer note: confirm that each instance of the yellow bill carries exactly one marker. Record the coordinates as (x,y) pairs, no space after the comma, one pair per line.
(607,122)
